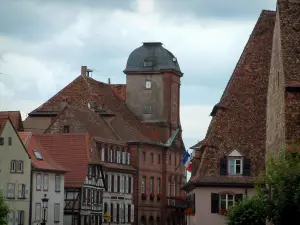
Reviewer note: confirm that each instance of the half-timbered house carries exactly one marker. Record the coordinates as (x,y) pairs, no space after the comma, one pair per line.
(84,183)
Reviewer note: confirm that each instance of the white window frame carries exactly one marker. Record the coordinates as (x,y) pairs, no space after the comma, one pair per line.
(57,183)
(13,166)
(225,197)
(234,161)
(122,184)
(19,167)
(45,182)
(11,190)
(56,212)
(124,157)
(115,182)
(38,211)
(102,154)
(109,182)
(38,181)
(148,84)
(21,191)
(110,155)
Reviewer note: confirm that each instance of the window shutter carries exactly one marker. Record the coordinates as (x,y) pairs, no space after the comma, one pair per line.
(223,166)
(214,203)
(115,212)
(128,158)
(238,197)
(38,182)
(109,183)
(115,183)
(45,183)
(26,191)
(132,214)
(247,167)
(102,154)
(20,191)
(126,213)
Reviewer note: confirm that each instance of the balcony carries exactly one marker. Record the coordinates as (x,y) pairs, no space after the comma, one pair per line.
(177,202)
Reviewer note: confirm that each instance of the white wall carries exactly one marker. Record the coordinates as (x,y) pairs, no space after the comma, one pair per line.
(53,196)
(15,152)
(203,215)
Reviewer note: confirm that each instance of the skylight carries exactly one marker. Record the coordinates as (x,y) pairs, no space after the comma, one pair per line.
(38,155)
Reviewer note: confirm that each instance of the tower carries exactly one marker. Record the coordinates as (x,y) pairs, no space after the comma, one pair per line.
(153,84)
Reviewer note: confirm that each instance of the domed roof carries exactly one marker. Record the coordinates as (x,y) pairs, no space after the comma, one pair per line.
(151,57)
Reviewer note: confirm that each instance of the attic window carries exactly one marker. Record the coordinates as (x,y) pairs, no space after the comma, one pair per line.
(149,62)
(66,129)
(235,164)
(38,155)
(1,141)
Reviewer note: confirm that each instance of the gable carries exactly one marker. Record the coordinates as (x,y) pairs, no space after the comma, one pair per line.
(235,153)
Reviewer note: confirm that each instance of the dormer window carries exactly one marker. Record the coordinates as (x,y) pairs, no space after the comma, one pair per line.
(149,62)
(148,84)
(235,164)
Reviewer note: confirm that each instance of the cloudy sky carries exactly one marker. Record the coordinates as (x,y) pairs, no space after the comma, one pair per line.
(43,44)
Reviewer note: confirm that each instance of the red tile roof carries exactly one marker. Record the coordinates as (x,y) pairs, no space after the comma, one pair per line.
(47,162)
(15,118)
(119,90)
(241,122)
(70,150)
(3,122)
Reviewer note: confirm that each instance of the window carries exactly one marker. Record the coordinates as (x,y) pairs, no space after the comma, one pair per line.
(9,141)
(38,155)
(21,191)
(56,212)
(132,213)
(158,186)
(110,155)
(102,154)
(128,158)
(126,184)
(148,84)
(174,188)
(57,183)
(118,157)
(11,190)
(115,183)
(13,166)
(38,181)
(20,217)
(158,159)
(152,157)
(169,188)
(124,157)
(149,62)
(143,185)
(45,182)
(151,184)
(1,141)
(220,203)
(66,129)
(129,185)
(20,166)
(169,159)
(38,211)
(147,109)
(235,166)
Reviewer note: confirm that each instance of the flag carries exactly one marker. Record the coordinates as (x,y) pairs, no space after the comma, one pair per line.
(186,159)
(189,168)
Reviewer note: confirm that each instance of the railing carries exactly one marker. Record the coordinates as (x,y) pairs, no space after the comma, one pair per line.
(176,202)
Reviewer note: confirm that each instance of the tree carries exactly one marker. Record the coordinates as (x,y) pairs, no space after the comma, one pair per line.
(4,210)
(250,211)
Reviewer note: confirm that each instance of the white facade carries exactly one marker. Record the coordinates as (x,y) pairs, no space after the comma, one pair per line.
(52,185)
(15,169)
(118,198)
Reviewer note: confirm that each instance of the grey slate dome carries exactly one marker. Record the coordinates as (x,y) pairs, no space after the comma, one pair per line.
(151,57)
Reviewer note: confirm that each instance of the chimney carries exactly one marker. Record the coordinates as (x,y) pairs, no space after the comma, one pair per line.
(108,80)
(83,70)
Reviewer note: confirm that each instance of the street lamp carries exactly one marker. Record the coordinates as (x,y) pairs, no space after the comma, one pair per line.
(45,206)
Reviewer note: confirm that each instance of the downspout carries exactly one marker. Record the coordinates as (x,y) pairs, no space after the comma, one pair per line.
(30,199)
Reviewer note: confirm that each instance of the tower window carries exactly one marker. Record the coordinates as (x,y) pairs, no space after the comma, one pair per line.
(148,84)
(149,62)
(147,109)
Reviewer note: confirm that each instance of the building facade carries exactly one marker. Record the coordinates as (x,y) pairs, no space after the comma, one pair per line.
(233,151)
(47,178)
(15,167)
(141,117)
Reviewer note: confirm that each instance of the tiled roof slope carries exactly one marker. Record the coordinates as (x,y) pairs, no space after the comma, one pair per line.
(241,124)
(3,122)
(15,118)
(85,89)
(47,162)
(289,14)
(70,150)
(119,90)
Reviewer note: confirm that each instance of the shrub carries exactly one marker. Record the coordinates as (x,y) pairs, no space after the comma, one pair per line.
(4,210)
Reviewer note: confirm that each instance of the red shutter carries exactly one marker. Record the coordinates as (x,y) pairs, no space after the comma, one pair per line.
(112,183)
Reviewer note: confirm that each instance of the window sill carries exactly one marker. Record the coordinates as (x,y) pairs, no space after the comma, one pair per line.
(57,191)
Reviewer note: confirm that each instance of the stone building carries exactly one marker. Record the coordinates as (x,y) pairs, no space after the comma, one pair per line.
(233,151)
(137,133)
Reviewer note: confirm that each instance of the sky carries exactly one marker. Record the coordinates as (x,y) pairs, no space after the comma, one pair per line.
(43,44)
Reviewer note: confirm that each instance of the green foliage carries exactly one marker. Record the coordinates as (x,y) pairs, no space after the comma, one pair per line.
(278,194)
(4,210)
(250,211)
